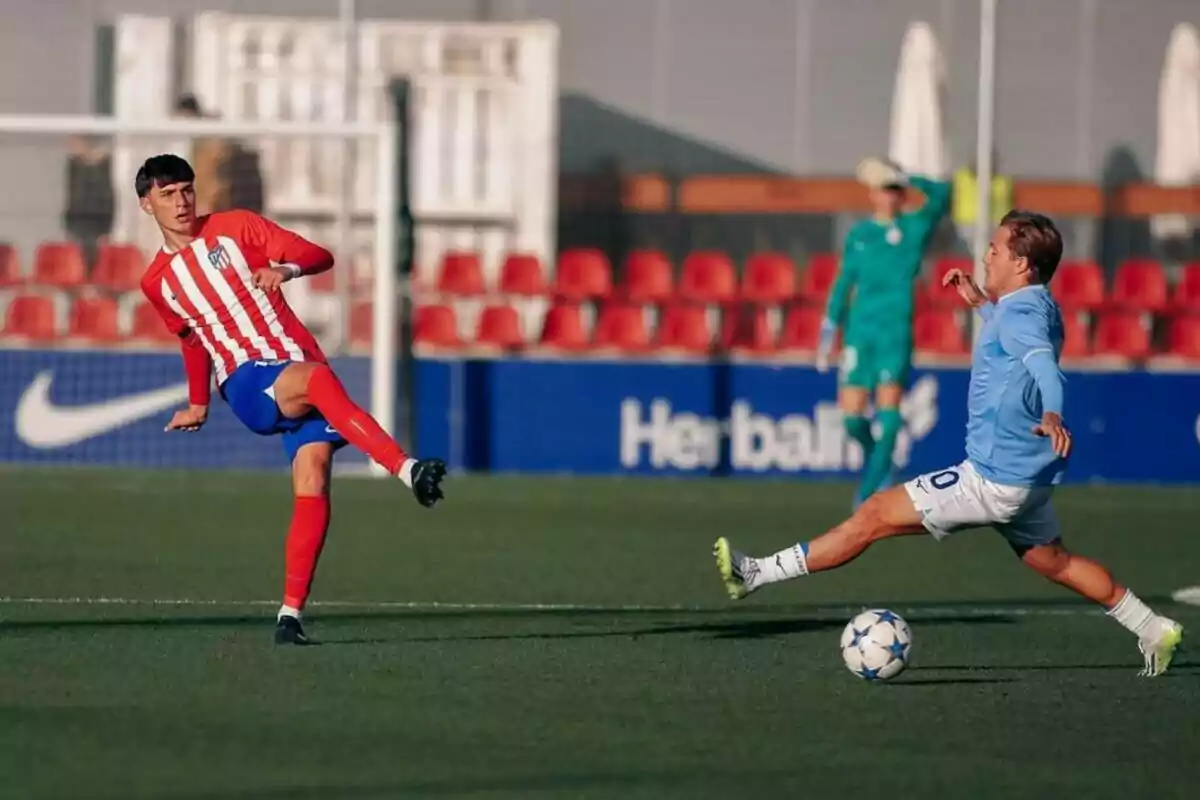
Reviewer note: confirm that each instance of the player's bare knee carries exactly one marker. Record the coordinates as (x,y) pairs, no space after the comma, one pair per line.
(869,522)
(311,469)
(888,396)
(291,388)
(887,513)
(852,400)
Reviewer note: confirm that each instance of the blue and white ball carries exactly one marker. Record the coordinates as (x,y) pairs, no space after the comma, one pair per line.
(876,645)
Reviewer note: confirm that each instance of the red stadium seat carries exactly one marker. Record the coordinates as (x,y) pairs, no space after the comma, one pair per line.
(818,277)
(1183,337)
(461,275)
(648,278)
(31,317)
(583,274)
(59,264)
(938,296)
(939,333)
(1140,285)
(1076,336)
(521,275)
(563,329)
(95,319)
(684,328)
(622,327)
(119,267)
(10,266)
(769,278)
(324,282)
(362,324)
(708,276)
(436,326)
(801,329)
(747,330)
(500,327)
(1078,286)
(147,326)
(1187,291)
(1122,334)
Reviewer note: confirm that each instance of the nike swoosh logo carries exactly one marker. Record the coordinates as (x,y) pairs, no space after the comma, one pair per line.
(42,424)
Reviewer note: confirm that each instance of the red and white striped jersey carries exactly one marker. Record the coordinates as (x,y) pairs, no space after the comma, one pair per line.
(206,287)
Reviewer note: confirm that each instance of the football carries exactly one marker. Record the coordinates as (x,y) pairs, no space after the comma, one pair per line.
(876,645)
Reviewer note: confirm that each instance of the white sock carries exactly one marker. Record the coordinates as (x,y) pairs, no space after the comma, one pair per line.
(784,565)
(405,473)
(1132,613)
(288,611)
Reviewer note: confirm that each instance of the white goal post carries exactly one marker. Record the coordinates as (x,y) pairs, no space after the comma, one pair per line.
(130,140)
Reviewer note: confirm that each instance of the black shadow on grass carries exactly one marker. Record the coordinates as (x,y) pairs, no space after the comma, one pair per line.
(375,615)
(922,680)
(748,629)
(738,629)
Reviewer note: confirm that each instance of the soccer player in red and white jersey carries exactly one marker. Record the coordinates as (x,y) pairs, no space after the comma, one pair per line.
(217,285)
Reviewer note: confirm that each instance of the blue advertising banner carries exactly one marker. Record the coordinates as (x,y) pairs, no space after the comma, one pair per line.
(757,419)
(589,417)
(90,407)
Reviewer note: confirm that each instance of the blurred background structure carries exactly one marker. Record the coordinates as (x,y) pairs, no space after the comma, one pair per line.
(625,182)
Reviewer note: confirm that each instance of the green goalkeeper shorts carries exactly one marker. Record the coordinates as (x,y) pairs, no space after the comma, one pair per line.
(869,364)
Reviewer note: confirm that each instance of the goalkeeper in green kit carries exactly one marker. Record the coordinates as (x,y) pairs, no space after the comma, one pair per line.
(872,302)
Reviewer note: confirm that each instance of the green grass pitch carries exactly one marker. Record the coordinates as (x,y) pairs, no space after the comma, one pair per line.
(585,648)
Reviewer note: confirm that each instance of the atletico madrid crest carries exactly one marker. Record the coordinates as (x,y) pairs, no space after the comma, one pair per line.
(219,258)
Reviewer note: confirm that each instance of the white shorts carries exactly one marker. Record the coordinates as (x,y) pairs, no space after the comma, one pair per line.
(958,498)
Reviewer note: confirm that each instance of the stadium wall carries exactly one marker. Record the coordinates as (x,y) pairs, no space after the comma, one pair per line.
(590,417)
(1076,97)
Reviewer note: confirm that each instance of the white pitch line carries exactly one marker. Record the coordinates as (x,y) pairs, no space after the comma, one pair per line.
(928,611)
(363,604)
(1189,595)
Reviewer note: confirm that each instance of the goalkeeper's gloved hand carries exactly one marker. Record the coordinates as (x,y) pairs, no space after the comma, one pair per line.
(427,475)
(825,345)
(878,173)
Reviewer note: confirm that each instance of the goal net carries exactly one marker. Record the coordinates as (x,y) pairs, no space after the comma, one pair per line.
(88,372)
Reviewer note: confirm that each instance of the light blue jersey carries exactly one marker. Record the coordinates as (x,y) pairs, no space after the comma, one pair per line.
(1014,378)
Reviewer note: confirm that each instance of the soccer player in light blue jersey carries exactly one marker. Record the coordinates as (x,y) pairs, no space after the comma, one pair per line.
(1017,451)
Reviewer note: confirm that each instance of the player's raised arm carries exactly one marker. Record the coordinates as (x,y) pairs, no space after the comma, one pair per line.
(294,255)
(937,201)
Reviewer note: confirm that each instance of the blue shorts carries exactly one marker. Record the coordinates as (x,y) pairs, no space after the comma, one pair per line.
(250,395)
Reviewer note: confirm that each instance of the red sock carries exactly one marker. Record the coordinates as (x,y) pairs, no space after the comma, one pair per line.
(359,428)
(306,537)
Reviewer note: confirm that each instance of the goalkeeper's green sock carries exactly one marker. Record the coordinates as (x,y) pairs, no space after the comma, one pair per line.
(879,465)
(858,428)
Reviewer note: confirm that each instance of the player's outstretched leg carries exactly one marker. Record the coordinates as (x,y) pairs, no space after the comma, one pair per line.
(886,514)
(302,387)
(311,469)
(1158,636)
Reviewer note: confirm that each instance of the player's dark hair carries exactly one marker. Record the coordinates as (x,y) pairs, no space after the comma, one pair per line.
(1035,238)
(162,171)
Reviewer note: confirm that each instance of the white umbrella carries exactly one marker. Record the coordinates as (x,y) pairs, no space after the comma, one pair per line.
(1178,159)
(917,139)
